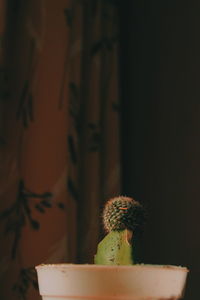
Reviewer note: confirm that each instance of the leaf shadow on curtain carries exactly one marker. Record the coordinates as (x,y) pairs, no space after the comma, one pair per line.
(59,134)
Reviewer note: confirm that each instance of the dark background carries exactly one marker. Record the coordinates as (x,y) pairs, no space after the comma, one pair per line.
(160,74)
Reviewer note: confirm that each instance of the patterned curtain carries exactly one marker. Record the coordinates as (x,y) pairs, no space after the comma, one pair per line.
(59,133)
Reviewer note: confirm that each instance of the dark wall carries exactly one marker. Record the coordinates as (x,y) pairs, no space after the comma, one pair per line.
(160,67)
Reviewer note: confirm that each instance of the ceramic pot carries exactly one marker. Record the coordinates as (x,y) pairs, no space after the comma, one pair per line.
(96,282)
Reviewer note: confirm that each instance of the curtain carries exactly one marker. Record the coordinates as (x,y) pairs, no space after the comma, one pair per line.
(59,133)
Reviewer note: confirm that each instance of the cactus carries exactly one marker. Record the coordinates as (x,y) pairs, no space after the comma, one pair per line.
(122,218)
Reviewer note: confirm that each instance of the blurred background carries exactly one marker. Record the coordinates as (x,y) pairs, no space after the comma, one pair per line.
(97,98)
(161,127)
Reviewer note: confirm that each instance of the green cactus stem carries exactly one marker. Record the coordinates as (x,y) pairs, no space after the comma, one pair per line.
(122,218)
(115,249)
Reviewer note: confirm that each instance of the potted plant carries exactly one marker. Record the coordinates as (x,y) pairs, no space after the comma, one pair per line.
(114,276)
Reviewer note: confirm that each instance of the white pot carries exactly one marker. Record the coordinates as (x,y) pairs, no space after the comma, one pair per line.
(96,282)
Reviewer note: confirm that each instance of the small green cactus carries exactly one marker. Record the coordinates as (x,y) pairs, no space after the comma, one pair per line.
(122,218)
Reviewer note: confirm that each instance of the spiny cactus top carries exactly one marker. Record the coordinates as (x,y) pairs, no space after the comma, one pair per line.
(123,213)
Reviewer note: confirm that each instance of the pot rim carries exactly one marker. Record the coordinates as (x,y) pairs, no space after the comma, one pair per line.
(109,267)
